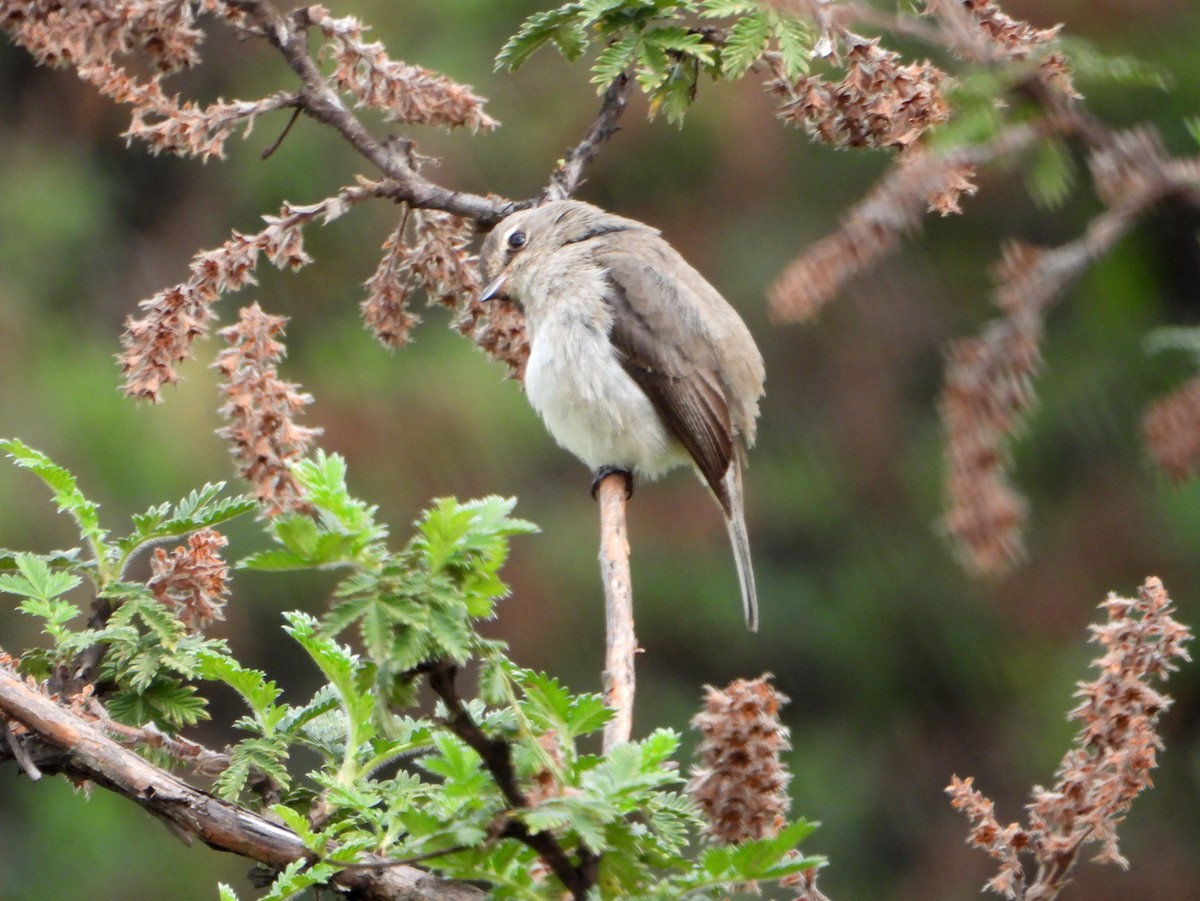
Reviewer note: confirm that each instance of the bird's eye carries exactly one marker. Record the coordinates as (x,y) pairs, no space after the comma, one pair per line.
(516,240)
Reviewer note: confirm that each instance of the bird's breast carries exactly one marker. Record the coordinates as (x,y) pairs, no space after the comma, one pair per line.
(591,406)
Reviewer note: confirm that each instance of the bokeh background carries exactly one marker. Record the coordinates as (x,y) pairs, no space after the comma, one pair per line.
(902,668)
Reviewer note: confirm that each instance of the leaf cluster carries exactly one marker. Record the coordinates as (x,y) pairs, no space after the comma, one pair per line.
(387,783)
(666,45)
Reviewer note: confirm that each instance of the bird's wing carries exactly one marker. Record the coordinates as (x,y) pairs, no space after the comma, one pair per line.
(666,351)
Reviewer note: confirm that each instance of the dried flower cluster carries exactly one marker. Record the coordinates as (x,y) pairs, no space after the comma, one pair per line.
(741,784)
(406,93)
(1171,428)
(92,35)
(192,580)
(174,318)
(1018,39)
(879,103)
(436,260)
(87,31)
(874,227)
(1109,764)
(988,387)
(261,410)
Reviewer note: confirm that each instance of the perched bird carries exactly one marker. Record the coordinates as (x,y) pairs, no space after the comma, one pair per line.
(636,363)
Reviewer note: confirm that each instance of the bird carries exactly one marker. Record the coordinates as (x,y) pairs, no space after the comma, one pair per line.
(636,363)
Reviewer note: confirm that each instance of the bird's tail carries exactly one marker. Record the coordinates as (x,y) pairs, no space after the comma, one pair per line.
(735,523)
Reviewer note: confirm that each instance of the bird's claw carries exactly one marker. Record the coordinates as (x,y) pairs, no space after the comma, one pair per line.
(604,472)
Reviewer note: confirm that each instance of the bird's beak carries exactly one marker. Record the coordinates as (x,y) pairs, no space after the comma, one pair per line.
(495,288)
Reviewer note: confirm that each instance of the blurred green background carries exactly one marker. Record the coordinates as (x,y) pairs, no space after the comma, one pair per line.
(902,669)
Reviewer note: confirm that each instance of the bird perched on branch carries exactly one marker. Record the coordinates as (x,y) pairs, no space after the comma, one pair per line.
(636,363)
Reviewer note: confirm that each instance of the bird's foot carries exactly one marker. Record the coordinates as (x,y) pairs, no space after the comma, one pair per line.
(604,472)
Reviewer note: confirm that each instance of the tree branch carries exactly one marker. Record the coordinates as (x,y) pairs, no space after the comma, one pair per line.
(497,757)
(61,741)
(568,175)
(620,642)
(289,34)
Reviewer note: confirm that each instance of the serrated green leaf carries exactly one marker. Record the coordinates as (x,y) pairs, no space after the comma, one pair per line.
(35,579)
(571,40)
(534,32)
(254,687)
(226,893)
(614,60)
(675,96)
(679,40)
(658,747)
(56,559)
(1090,64)
(167,703)
(67,495)
(713,9)
(201,509)
(296,877)
(795,40)
(744,45)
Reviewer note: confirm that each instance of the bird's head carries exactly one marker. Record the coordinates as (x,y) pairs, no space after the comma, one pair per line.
(528,237)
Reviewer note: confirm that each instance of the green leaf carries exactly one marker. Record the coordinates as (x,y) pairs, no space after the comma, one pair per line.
(713,9)
(67,495)
(679,40)
(613,60)
(253,686)
(167,703)
(68,559)
(536,31)
(1090,64)
(199,510)
(571,40)
(675,97)
(226,893)
(762,859)
(324,479)
(745,44)
(795,39)
(35,579)
(296,877)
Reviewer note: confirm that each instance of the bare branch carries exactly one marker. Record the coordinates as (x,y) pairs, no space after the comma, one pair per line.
(620,644)
(568,175)
(319,100)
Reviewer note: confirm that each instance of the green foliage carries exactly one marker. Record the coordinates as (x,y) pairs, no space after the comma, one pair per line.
(388,784)
(665,44)
(201,509)
(343,533)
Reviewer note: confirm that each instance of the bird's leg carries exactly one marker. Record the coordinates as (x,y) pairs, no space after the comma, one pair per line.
(604,472)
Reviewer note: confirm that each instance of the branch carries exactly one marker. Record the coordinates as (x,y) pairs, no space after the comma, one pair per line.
(59,740)
(497,757)
(620,642)
(289,34)
(569,175)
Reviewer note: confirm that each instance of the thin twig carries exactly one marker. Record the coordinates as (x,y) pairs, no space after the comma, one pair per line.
(289,34)
(268,152)
(569,174)
(19,753)
(497,757)
(621,644)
